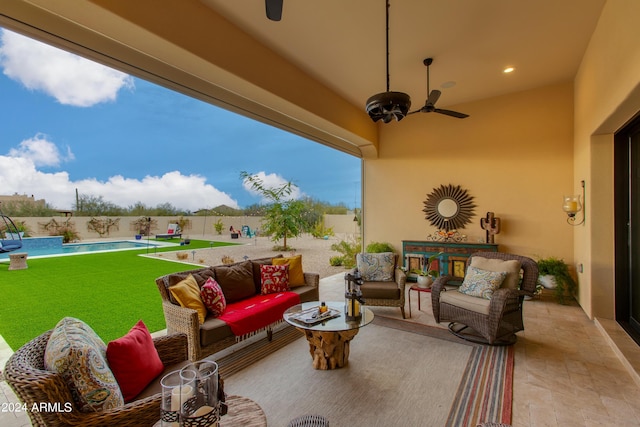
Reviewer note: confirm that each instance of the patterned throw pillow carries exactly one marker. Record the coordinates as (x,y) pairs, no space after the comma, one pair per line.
(213,297)
(481,283)
(78,354)
(376,267)
(275,278)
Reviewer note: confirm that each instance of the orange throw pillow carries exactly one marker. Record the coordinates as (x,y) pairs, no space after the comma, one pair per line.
(296,275)
(187,293)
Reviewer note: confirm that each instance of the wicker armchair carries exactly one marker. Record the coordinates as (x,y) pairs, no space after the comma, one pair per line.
(386,294)
(33,384)
(493,321)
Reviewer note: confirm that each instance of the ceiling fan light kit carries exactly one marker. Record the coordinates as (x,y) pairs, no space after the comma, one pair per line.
(387,106)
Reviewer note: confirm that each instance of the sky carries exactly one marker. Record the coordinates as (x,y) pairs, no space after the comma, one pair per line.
(68,123)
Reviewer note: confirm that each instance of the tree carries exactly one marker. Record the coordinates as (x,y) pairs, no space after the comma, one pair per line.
(283,217)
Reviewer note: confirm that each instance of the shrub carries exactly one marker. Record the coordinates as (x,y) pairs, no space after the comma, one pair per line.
(335,261)
(377,247)
(218,226)
(349,250)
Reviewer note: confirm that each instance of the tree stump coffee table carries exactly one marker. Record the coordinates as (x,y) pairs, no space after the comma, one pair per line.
(328,339)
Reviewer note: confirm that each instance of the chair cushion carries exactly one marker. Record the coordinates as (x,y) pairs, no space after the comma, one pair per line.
(458,299)
(187,293)
(236,281)
(296,275)
(134,361)
(78,354)
(380,290)
(377,267)
(512,267)
(481,283)
(275,278)
(213,297)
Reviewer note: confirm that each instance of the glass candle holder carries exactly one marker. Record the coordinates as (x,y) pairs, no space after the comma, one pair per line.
(571,205)
(170,404)
(201,408)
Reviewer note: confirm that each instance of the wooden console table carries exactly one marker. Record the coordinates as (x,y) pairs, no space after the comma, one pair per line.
(453,260)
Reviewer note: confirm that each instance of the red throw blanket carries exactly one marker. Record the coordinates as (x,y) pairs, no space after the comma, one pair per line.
(253,313)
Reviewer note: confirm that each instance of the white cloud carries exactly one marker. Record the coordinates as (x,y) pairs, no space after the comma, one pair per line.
(19,174)
(71,79)
(41,151)
(271,181)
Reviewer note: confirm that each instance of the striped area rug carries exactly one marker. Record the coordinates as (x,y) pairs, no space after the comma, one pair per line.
(485,392)
(483,395)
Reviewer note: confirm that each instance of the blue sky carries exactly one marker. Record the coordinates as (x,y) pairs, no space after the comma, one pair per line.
(69,123)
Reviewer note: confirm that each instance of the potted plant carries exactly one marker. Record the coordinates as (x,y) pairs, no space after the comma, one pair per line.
(427,274)
(554,274)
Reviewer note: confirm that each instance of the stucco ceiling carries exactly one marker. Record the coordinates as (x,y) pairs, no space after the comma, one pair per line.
(342,43)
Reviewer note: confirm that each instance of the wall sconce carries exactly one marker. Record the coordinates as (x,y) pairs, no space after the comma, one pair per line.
(572,206)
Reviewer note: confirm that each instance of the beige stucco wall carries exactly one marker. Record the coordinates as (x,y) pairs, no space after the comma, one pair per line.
(607,95)
(513,155)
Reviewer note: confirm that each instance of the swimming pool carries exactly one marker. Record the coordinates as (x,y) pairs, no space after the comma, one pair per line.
(47,246)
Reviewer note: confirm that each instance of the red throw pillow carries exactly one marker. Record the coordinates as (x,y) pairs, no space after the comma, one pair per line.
(274,278)
(213,297)
(134,361)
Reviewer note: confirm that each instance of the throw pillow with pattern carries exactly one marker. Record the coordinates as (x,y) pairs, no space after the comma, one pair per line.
(274,278)
(481,283)
(213,297)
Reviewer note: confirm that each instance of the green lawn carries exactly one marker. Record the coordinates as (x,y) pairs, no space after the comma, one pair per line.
(109,291)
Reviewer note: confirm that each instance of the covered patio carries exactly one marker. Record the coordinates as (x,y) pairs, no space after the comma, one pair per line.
(532,136)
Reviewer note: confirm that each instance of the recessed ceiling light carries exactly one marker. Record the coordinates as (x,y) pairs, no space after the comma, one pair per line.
(508,70)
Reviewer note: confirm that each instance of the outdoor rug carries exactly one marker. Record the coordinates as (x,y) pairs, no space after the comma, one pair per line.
(399,373)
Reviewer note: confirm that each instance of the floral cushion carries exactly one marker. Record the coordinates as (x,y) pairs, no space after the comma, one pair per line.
(275,278)
(78,354)
(376,267)
(512,267)
(481,283)
(213,297)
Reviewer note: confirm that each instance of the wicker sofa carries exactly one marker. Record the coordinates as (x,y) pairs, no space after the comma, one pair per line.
(34,385)
(214,334)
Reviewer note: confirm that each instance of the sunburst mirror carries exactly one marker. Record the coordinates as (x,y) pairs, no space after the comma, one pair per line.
(449,207)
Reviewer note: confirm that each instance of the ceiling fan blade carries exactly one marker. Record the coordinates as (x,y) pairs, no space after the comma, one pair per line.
(433,97)
(451,113)
(274,9)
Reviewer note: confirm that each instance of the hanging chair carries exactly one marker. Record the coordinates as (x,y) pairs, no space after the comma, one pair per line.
(10,238)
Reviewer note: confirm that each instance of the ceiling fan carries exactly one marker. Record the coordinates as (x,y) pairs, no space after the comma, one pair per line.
(433,96)
(387,106)
(274,9)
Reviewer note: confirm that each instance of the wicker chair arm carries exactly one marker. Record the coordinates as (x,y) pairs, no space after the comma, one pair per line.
(312,279)
(503,300)
(172,349)
(183,320)
(438,287)
(400,278)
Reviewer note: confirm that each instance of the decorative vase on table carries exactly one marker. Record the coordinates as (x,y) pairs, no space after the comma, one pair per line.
(425,282)
(202,407)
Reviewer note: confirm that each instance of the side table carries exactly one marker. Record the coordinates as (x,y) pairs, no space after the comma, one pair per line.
(18,261)
(242,412)
(419,290)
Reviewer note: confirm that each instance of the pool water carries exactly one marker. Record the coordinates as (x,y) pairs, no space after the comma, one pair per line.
(41,247)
